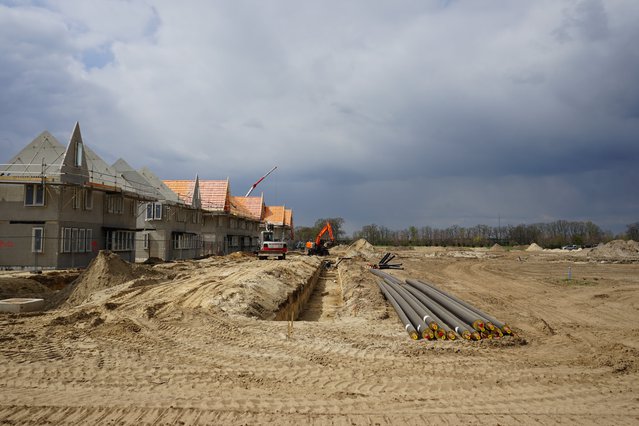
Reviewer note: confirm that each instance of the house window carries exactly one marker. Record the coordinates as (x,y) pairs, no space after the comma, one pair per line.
(78,155)
(114,204)
(120,240)
(153,211)
(186,241)
(89,240)
(74,240)
(66,240)
(82,235)
(88,199)
(76,198)
(34,194)
(37,240)
(145,241)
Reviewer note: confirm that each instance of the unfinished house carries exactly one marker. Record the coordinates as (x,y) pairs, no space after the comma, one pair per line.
(282,220)
(170,227)
(60,205)
(228,227)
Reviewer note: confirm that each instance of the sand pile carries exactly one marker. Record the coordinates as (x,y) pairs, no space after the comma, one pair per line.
(361,248)
(534,247)
(497,247)
(616,249)
(106,270)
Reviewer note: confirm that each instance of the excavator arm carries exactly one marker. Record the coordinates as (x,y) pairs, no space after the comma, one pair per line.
(327,228)
(318,247)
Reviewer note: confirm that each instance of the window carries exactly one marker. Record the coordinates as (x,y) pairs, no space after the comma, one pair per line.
(186,241)
(88,199)
(34,194)
(76,198)
(82,240)
(145,241)
(233,224)
(74,240)
(120,240)
(37,240)
(153,211)
(78,155)
(66,240)
(89,240)
(114,204)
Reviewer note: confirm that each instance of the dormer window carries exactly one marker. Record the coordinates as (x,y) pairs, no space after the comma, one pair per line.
(78,155)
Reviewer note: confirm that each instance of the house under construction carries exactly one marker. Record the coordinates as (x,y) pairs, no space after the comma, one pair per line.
(60,205)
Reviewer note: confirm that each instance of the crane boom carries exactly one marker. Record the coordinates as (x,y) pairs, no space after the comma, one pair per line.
(258,182)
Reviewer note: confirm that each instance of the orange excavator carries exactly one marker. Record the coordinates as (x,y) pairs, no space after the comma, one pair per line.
(319,247)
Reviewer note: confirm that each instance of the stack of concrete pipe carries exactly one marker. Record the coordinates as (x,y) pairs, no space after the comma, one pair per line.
(431,313)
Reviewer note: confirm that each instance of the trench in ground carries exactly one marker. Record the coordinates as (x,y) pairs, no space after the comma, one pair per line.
(318,300)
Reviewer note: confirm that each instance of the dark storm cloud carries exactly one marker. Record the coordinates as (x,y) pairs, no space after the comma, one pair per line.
(405,113)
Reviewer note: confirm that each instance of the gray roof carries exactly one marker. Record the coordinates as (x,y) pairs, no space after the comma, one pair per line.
(135,180)
(44,149)
(165,191)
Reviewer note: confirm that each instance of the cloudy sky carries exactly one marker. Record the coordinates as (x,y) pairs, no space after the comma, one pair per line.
(397,113)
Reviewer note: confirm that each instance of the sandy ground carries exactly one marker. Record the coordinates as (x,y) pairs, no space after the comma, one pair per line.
(194,343)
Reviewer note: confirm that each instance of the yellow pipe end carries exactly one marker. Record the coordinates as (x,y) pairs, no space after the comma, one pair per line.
(452,335)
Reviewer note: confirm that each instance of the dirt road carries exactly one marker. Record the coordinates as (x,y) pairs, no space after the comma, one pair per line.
(192,343)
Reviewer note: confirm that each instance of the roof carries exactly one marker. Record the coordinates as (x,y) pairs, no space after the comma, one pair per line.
(214,194)
(135,181)
(28,163)
(253,207)
(164,191)
(288,217)
(274,215)
(46,156)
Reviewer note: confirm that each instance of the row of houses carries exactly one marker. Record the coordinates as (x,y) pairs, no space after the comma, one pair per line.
(60,205)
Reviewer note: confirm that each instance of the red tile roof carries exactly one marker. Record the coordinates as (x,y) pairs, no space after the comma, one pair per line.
(213,193)
(288,217)
(251,207)
(274,215)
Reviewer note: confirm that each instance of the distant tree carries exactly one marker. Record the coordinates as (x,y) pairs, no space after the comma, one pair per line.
(305,233)
(633,231)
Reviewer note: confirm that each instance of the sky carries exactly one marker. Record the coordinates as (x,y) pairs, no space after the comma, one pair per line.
(398,113)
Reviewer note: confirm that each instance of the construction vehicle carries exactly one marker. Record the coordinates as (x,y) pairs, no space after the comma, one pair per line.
(319,247)
(269,246)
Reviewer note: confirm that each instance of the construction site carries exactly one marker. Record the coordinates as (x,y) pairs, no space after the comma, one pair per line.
(315,339)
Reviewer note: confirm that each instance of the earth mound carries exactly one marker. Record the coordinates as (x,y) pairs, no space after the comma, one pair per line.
(105,271)
(496,247)
(616,249)
(361,248)
(534,247)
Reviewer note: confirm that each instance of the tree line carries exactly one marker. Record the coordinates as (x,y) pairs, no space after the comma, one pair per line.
(548,235)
